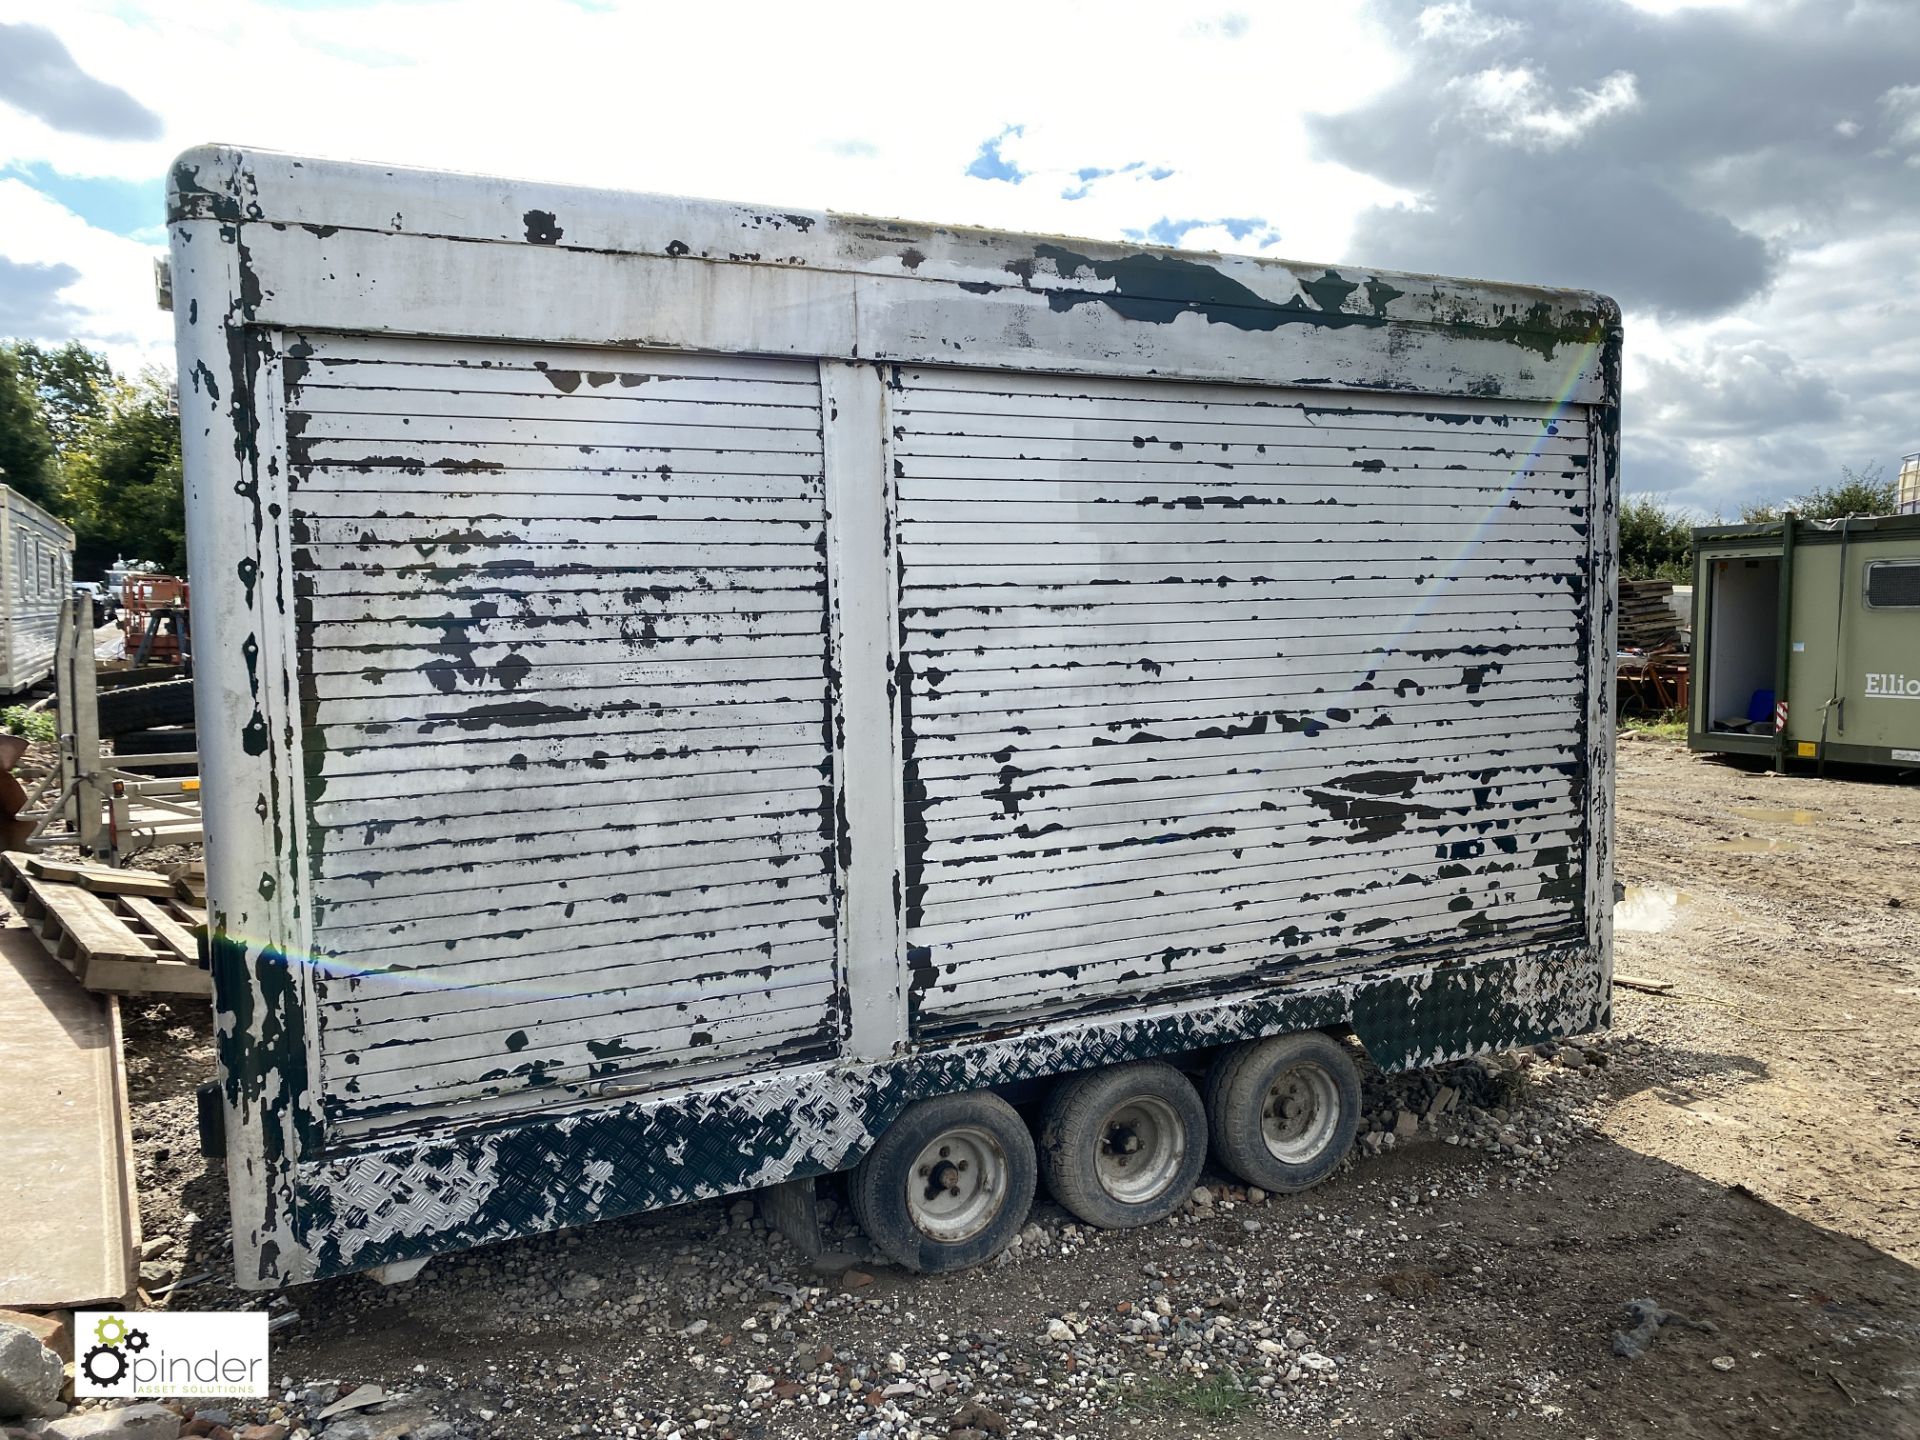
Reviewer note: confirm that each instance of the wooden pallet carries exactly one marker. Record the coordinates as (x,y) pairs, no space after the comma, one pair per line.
(140,944)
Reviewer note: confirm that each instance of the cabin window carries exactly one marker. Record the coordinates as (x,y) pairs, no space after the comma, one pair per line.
(1893,584)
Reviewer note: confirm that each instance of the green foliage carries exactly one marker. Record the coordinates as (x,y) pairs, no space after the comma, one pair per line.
(1866,491)
(1668,725)
(72,382)
(100,451)
(1217,1394)
(27,456)
(124,495)
(1656,542)
(36,725)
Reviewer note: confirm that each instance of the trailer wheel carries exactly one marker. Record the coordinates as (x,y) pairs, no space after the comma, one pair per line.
(948,1185)
(1123,1146)
(145,707)
(1283,1111)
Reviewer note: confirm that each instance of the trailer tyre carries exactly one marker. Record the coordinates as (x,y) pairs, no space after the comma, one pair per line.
(1123,1146)
(145,707)
(1283,1111)
(948,1185)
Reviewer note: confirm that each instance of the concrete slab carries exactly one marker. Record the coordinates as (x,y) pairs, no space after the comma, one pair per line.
(68,1223)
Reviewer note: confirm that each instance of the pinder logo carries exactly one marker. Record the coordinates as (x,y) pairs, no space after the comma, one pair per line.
(171,1353)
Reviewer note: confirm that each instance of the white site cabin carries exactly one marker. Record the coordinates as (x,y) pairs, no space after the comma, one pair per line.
(694,697)
(36,574)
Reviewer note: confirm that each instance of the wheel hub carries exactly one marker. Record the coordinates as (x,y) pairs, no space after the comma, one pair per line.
(1301,1113)
(957,1185)
(1141,1147)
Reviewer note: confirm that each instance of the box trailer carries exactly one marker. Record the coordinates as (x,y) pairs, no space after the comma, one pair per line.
(36,574)
(1807,641)
(695,697)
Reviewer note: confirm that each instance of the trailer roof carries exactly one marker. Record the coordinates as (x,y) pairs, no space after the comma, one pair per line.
(1886,527)
(39,512)
(925,294)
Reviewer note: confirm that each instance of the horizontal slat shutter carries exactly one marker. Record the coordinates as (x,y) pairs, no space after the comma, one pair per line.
(561,628)
(1209,683)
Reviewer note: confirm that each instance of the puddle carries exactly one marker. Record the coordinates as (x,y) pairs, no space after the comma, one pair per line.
(1649,909)
(1751,845)
(1779,817)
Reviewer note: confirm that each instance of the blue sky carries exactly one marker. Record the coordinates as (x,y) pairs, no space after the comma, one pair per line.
(1744,177)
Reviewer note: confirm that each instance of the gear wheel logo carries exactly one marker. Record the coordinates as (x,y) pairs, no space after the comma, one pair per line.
(105,1365)
(136,1340)
(110,1330)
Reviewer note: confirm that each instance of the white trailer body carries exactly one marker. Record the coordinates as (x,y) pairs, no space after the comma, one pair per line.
(36,574)
(679,681)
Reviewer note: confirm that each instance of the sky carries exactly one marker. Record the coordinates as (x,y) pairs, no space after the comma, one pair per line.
(1743,177)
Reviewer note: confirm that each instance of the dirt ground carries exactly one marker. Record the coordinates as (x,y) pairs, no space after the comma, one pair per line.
(1743,1150)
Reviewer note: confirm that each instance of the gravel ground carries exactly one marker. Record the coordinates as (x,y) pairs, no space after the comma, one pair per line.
(1743,1150)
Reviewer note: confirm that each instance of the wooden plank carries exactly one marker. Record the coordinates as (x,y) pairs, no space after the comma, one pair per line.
(177,937)
(101,945)
(101,879)
(128,882)
(1640,982)
(189,881)
(144,977)
(67,1232)
(86,921)
(129,1189)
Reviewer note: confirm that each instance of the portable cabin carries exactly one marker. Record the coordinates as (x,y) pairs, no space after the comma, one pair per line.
(36,572)
(1806,637)
(693,697)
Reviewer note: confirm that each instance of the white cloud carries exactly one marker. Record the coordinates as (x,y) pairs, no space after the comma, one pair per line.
(1902,107)
(1771,401)
(113,299)
(878,111)
(882,111)
(1514,105)
(1457,23)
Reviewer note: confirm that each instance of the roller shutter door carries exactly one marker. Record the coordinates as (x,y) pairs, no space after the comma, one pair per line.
(1214,682)
(560,628)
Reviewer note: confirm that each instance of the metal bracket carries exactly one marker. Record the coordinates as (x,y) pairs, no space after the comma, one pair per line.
(793,1208)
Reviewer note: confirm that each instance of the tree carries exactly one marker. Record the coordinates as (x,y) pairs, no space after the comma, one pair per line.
(1860,492)
(124,481)
(26,447)
(73,382)
(1656,542)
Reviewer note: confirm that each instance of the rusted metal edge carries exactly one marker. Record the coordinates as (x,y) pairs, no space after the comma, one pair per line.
(410,1198)
(1560,330)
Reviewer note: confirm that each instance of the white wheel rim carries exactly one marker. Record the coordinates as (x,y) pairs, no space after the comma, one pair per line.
(1300,1113)
(1139,1149)
(957,1184)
